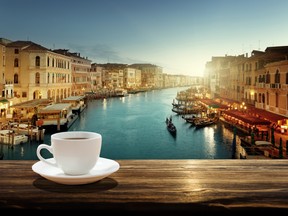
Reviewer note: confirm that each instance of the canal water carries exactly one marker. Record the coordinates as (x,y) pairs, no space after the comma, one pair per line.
(133,127)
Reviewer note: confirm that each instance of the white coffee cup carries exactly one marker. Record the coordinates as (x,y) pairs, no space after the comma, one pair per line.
(75,152)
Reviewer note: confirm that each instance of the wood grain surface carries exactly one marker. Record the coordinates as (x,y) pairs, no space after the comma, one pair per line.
(151,187)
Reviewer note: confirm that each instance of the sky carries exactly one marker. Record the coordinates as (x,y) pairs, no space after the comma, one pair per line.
(180,36)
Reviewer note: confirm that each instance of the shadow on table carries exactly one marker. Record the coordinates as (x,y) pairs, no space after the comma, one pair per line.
(102,185)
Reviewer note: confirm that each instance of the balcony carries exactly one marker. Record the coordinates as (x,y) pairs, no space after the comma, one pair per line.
(275,85)
(260,85)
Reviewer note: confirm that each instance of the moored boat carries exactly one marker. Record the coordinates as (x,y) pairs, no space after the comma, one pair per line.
(10,137)
(120,92)
(258,149)
(34,132)
(202,122)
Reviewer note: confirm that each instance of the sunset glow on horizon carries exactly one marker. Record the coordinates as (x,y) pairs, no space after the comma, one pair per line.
(179,36)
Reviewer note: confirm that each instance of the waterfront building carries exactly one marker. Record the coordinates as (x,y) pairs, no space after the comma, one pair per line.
(96,77)
(113,76)
(151,75)
(6,89)
(259,81)
(275,78)
(3,44)
(80,72)
(37,72)
(132,78)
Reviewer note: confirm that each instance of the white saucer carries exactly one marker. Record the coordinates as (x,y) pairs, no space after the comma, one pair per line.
(102,169)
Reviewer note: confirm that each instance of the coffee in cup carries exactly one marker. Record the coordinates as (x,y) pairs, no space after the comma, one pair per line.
(75,152)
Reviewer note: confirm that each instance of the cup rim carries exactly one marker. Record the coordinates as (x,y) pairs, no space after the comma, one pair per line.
(90,135)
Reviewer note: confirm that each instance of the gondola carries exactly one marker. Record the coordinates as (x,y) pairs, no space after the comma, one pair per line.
(202,122)
(170,126)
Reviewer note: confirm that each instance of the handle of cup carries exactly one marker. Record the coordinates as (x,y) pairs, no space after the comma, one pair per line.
(38,152)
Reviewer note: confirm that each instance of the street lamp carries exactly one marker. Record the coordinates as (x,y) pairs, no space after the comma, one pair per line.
(243,107)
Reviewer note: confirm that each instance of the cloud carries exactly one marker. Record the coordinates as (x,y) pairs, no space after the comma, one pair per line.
(101,53)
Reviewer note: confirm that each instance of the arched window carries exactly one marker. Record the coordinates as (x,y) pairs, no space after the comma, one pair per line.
(263,79)
(286,81)
(48,62)
(277,77)
(37,78)
(260,79)
(49,94)
(268,98)
(37,61)
(15,78)
(16,62)
(276,99)
(259,98)
(48,78)
(263,98)
(267,78)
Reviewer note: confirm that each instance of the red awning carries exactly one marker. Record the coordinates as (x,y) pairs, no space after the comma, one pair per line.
(269,116)
(245,117)
(256,114)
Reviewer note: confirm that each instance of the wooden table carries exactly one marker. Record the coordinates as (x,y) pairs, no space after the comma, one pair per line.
(153,187)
